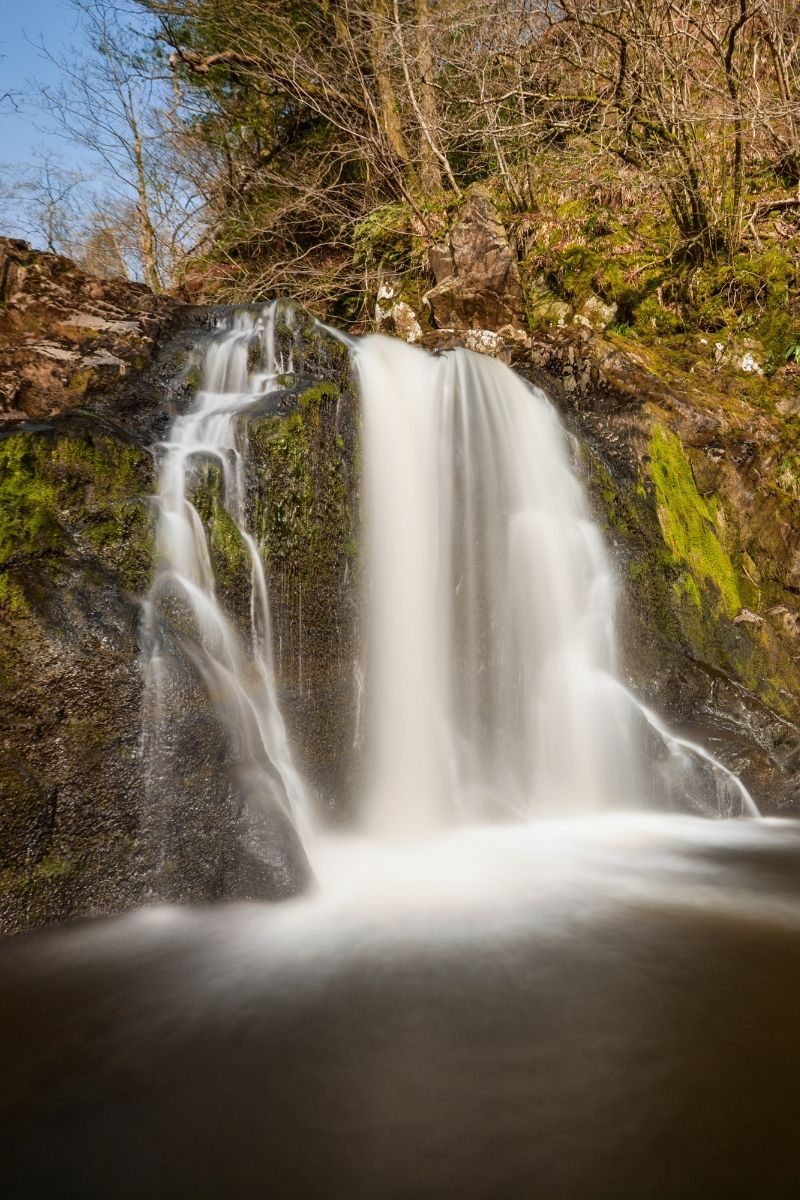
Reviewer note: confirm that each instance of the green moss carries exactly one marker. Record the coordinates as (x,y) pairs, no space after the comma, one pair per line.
(192,378)
(81,382)
(28,506)
(306,485)
(686,585)
(621,514)
(650,316)
(384,237)
(100,462)
(302,505)
(53,867)
(230,556)
(63,489)
(27,499)
(688,526)
(12,597)
(787,473)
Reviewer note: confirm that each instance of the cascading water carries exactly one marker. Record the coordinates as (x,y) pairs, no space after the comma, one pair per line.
(236,667)
(491,687)
(492,676)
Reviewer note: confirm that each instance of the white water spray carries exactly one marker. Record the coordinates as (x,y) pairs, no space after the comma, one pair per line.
(492,678)
(237,671)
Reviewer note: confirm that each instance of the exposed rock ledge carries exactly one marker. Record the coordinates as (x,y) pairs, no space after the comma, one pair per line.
(65,335)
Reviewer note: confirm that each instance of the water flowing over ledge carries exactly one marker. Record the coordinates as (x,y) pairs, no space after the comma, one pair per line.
(494,676)
(491,688)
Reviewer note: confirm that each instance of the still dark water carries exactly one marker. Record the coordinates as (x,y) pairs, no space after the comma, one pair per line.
(603,1009)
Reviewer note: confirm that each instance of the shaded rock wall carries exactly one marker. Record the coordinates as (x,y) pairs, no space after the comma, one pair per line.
(75,548)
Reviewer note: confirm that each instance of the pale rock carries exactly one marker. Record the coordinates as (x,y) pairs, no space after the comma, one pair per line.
(401,320)
(597,314)
(749,364)
(549,311)
(478,285)
(739,353)
(746,617)
(513,335)
(483,341)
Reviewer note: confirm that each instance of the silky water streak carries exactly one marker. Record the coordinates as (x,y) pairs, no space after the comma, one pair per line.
(239,368)
(491,662)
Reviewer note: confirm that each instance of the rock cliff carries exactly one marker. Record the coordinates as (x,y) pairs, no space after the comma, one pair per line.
(66,337)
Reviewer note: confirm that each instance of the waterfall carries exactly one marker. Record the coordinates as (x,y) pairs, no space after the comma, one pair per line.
(488,687)
(493,684)
(239,365)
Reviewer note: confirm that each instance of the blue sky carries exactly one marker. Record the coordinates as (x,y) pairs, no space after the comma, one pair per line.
(23,23)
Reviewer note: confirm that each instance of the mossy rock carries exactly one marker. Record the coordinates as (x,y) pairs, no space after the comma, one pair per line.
(689,529)
(72,489)
(230,556)
(304,509)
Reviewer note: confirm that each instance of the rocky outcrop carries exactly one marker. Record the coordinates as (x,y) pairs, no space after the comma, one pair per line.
(396,317)
(65,336)
(478,284)
(85,826)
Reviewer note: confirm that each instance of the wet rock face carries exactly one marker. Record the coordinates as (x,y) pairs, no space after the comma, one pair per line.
(66,336)
(477,279)
(85,388)
(75,547)
(303,483)
(86,826)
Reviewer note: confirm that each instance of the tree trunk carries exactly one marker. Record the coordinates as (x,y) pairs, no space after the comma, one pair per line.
(147,233)
(430,169)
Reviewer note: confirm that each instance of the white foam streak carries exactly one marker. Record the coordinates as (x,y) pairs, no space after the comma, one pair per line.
(238,676)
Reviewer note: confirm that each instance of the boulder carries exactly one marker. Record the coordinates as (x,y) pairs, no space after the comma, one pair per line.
(596,314)
(478,284)
(396,316)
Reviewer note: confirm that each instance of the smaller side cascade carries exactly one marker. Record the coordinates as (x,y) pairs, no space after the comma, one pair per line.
(190,638)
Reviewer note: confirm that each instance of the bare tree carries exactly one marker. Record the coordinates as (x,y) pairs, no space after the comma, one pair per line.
(44,193)
(314,127)
(111,101)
